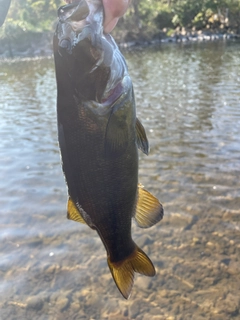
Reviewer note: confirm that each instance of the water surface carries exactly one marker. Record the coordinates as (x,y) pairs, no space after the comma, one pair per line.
(52,268)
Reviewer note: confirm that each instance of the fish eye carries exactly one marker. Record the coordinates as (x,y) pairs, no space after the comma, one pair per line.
(66,44)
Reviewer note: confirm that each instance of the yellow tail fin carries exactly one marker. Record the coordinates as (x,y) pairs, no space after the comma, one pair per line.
(123,271)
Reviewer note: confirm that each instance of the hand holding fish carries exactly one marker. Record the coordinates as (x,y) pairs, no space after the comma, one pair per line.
(113,10)
(99,137)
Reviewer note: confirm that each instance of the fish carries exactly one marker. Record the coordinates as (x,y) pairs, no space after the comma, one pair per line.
(99,136)
(4,7)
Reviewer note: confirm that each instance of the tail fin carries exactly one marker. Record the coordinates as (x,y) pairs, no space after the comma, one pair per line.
(123,271)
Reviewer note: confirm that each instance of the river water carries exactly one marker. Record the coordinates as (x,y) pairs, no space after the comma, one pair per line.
(52,268)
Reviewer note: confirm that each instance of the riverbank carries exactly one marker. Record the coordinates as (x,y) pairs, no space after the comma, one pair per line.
(40,44)
(178,36)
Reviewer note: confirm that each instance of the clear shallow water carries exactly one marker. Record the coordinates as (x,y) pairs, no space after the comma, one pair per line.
(52,268)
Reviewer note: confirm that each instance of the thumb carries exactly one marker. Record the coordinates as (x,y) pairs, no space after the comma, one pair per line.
(113,10)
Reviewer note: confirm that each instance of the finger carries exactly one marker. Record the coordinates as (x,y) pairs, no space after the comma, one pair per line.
(113,10)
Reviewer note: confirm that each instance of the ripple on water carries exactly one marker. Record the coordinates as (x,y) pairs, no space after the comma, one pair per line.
(52,268)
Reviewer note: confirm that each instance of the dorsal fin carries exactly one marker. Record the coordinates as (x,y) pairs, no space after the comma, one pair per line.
(149,210)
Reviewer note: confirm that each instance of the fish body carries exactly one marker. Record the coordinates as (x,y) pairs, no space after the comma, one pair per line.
(99,136)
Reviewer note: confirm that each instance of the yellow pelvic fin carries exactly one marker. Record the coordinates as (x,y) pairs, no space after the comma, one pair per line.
(149,210)
(123,271)
(73,213)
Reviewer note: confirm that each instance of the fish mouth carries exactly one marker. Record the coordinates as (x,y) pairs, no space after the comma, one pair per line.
(80,20)
(80,13)
(80,33)
(74,13)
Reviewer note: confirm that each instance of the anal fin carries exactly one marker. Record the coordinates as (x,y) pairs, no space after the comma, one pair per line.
(149,210)
(73,213)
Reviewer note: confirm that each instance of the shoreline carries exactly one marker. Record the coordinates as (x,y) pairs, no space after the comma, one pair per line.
(40,45)
(188,37)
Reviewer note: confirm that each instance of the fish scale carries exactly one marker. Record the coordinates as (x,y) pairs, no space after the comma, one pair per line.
(99,137)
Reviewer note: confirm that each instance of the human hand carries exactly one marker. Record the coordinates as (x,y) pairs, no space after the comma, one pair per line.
(113,9)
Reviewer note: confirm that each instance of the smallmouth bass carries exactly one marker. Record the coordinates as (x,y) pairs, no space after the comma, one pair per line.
(99,136)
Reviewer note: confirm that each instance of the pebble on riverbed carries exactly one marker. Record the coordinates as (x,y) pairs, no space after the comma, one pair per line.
(35,303)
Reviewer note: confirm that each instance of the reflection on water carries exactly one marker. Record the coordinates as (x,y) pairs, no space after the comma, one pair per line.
(52,268)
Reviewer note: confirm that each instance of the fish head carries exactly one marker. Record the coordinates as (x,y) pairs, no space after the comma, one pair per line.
(90,57)
(78,21)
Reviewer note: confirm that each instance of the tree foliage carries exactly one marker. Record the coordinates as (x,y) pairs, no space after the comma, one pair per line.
(189,13)
(30,16)
(39,15)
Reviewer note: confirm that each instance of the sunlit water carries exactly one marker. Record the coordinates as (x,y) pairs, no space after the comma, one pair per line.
(188,98)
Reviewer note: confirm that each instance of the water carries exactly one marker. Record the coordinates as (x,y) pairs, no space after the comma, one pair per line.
(52,268)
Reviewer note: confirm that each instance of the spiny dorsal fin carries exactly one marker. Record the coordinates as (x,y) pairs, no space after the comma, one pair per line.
(73,213)
(123,271)
(141,136)
(149,210)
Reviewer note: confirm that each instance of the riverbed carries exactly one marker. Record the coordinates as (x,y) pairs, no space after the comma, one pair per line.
(187,97)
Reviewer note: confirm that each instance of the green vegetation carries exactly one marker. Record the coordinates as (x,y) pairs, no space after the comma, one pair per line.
(32,17)
(161,14)
(207,13)
(152,17)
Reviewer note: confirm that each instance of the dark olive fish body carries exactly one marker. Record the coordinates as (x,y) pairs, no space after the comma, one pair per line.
(94,175)
(99,136)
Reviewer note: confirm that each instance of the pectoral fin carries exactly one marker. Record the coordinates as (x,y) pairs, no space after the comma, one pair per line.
(149,210)
(73,213)
(141,136)
(116,137)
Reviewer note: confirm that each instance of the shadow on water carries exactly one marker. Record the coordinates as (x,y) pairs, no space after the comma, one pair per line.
(51,268)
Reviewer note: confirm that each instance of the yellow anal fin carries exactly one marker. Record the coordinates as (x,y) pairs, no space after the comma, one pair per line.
(149,210)
(73,213)
(123,271)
